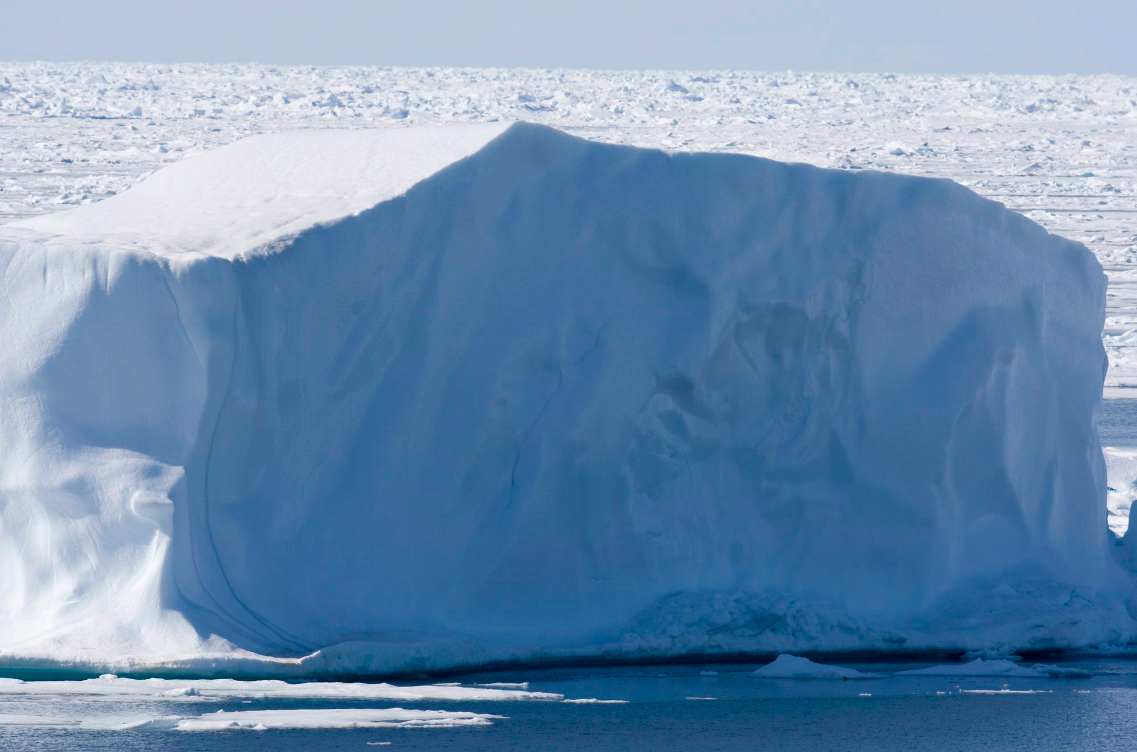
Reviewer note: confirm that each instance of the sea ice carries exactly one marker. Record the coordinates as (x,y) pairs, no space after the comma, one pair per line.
(980,667)
(795,667)
(264,720)
(114,686)
(347,718)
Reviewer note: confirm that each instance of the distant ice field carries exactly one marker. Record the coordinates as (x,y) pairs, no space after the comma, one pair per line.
(1060,149)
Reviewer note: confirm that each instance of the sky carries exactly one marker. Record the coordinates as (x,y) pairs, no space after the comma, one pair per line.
(909,36)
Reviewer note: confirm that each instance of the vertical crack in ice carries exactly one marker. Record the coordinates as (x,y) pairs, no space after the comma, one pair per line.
(288,639)
(163,272)
(524,439)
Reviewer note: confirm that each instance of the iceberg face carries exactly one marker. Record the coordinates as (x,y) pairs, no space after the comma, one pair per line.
(485,393)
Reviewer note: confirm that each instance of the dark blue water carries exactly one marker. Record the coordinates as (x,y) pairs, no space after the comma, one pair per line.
(901,714)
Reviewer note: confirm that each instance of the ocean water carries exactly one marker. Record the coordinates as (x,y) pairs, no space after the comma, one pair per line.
(1098,713)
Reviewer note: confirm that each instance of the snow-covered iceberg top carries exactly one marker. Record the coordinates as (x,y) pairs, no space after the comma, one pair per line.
(796,667)
(258,191)
(367,402)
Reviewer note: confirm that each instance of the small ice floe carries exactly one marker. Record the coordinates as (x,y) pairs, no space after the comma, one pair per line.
(794,667)
(504,685)
(1006,691)
(266,720)
(594,701)
(378,744)
(865,694)
(113,686)
(980,667)
(701,698)
(336,718)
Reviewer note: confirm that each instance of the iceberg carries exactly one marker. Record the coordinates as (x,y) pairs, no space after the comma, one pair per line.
(999,667)
(371,402)
(796,667)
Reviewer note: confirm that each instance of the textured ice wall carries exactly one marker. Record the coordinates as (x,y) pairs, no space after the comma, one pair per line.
(558,396)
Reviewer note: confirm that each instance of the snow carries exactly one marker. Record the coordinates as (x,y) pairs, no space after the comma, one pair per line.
(344,718)
(224,203)
(265,720)
(118,687)
(795,667)
(398,401)
(1002,692)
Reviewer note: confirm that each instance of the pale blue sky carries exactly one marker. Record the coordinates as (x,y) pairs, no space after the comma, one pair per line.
(945,36)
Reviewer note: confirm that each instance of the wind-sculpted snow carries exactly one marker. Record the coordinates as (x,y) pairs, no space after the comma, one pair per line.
(555,400)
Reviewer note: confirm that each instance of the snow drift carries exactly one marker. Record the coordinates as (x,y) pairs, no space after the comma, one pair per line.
(432,397)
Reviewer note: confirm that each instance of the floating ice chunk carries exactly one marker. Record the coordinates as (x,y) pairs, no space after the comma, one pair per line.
(262,720)
(269,688)
(594,701)
(1005,691)
(1004,652)
(980,667)
(795,667)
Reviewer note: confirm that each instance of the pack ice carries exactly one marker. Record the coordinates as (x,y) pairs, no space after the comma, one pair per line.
(380,401)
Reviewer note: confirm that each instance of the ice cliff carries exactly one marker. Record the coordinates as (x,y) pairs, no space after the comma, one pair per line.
(376,401)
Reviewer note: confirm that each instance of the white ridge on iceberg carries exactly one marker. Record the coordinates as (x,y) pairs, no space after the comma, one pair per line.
(376,402)
(796,667)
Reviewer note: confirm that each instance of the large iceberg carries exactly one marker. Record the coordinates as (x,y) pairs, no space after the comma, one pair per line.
(378,401)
